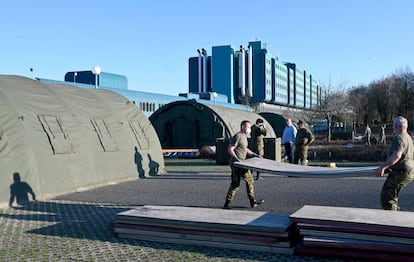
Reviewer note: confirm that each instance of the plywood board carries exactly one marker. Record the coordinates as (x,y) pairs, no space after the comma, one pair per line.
(235,229)
(401,220)
(285,169)
(355,232)
(194,217)
(201,235)
(357,244)
(320,233)
(356,228)
(359,255)
(257,248)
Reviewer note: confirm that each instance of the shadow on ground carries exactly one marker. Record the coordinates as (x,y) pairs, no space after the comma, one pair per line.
(92,222)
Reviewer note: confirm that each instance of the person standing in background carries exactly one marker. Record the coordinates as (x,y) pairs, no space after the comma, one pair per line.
(383,136)
(304,138)
(258,133)
(288,139)
(368,135)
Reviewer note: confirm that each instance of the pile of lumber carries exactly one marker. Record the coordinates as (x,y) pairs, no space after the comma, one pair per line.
(369,234)
(235,229)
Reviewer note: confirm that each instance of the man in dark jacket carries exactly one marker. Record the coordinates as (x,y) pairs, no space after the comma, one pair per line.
(304,138)
(258,133)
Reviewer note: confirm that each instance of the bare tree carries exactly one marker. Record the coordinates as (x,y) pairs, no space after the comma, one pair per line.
(403,89)
(380,99)
(358,103)
(335,106)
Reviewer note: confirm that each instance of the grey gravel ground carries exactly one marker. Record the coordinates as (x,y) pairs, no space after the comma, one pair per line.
(76,227)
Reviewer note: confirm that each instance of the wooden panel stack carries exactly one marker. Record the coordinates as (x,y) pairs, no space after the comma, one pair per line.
(369,234)
(235,229)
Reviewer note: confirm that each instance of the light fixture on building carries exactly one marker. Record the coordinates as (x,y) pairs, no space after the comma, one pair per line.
(214,94)
(75,74)
(96,70)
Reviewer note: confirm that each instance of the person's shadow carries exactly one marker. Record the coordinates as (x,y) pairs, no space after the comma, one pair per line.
(153,166)
(20,191)
(138,162)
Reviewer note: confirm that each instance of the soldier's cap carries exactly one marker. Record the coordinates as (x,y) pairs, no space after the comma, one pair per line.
(301,122)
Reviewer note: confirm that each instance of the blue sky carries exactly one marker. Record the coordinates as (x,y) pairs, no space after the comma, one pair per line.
(340,42)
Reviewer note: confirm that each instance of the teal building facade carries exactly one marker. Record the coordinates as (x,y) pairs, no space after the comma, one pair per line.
(251,75)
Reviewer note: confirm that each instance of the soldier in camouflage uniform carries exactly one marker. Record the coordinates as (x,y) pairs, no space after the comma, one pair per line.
(383,136)
(258,133)
(238,151)
(368,135)
(304,138)
(399,165)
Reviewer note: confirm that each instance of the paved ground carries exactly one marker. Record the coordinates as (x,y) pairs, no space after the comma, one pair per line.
(76,227)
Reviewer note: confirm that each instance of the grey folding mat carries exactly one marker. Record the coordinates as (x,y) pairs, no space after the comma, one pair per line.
(286,169)
(235,229)
(362,233)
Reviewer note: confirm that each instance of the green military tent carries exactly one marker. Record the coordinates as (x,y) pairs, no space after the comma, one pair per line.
(278,120)
(190,124)
(61,138)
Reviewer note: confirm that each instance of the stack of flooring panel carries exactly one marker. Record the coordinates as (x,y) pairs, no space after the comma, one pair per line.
(370,234)
(235,229)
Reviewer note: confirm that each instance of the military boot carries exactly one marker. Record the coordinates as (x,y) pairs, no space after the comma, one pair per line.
(227,204)
(254,203)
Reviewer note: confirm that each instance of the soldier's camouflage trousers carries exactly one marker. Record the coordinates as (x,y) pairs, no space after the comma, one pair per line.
(301,153)
(395,181)
(236,175)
